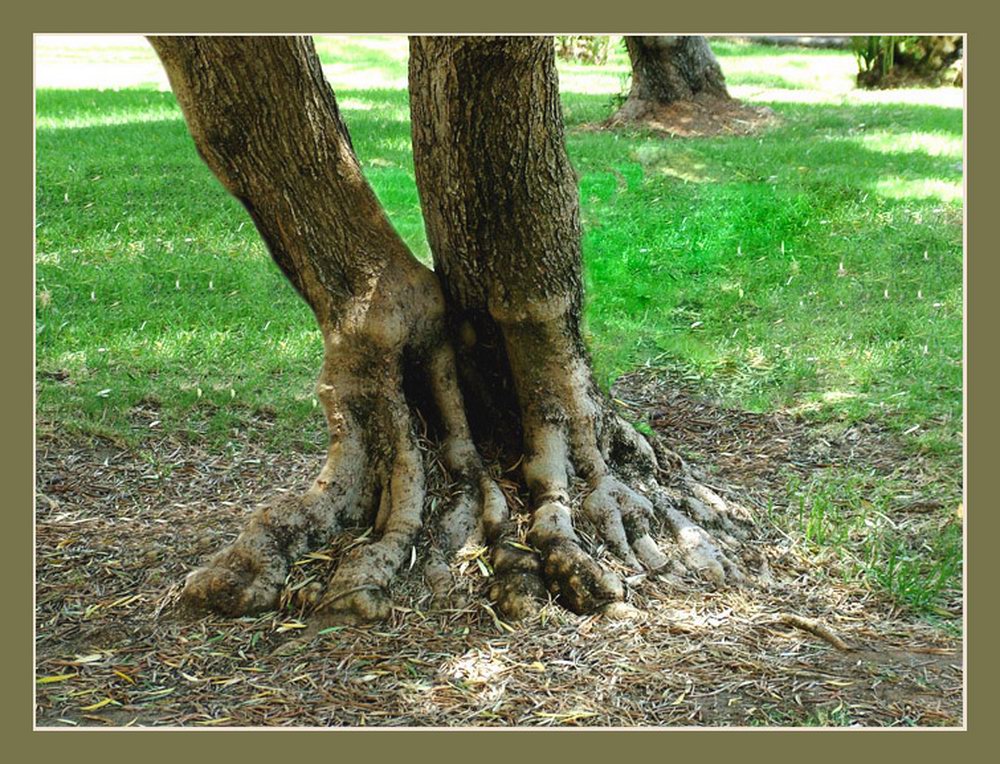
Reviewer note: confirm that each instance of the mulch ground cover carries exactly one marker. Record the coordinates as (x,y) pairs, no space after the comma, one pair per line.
(117,529)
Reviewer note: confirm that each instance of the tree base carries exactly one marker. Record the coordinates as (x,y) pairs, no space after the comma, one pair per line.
(702,116)
(560,552)
(905,77)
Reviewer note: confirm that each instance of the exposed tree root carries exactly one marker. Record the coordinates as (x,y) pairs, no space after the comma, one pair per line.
(583,463)
(511,257)
(374,473)
(814,627)
(572,435)
(386,492)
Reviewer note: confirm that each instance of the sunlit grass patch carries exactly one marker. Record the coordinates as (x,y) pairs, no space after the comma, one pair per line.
(931,144)
(922,188)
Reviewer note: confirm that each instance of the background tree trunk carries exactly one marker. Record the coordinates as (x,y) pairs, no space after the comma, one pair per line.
(678,88)
(666,69)
(890,61)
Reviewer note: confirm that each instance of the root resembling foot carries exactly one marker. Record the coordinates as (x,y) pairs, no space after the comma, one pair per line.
(572,575)
(702,552)
(248,575)
(517,588)
(578,580)
(622,516)
(232,585)
(363,604)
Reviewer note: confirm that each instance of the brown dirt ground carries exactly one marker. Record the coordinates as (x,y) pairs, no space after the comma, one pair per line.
(117,530)
(701,117)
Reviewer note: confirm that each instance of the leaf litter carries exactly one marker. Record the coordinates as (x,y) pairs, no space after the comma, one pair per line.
(112,549)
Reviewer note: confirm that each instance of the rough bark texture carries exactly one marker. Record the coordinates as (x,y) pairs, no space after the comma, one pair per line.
(267,124)
(500,202)
(666,69)
(498,196)
(501,208)
(678,88)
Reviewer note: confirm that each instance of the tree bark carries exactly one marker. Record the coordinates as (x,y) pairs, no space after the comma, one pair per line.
(668,70)
(500,202)
(501,209)
(678,88)
(267,124)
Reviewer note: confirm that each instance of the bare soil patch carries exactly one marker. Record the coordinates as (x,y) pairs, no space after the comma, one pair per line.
(700,117)
(116,531)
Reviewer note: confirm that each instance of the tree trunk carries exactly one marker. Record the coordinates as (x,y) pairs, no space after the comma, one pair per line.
(267,124)
(501,209)
(500,203)
(678,88)
(666,69)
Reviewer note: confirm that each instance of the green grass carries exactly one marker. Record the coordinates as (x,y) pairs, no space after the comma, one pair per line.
(781,716)
(787,270)
(816,267)
(851,522)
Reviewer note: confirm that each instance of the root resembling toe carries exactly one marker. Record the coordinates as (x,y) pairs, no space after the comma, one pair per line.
(518,595)
(231,585)
(357,592)
(578,580)
(444,592)
(517,588)
(363,604)
(699,551)
(621,611)
(711,510)
(622,516)
(571,574)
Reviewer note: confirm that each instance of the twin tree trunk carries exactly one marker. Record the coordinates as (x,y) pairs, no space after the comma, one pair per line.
(487,346)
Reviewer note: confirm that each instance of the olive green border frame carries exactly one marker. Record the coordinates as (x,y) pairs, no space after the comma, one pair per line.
(513,16)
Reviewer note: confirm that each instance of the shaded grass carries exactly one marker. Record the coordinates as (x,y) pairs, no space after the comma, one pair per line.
(864,531)
(154,286)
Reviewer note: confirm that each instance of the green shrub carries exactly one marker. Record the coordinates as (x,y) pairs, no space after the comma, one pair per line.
(583,48)
(894,61)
